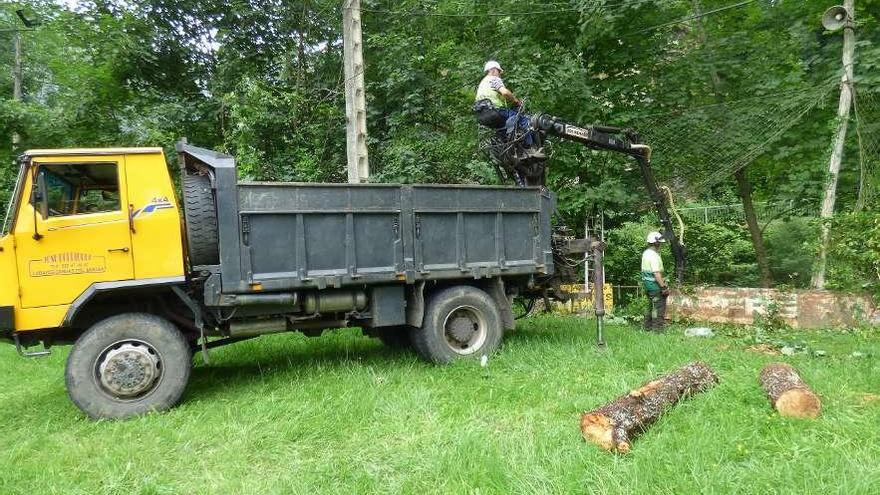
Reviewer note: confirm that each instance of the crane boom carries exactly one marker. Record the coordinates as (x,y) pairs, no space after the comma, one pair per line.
(628,142)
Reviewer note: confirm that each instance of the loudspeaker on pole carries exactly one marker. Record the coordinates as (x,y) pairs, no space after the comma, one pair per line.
(835,18)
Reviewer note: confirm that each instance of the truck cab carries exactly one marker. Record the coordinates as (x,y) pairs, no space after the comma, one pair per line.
(83,221)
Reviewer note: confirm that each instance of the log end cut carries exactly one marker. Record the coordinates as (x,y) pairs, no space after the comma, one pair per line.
(599,429)
(788,393)
(798,403)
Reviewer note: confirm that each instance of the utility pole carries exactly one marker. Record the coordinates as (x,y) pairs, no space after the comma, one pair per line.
(843,109)
(355,100)
(16,84)
(29,25)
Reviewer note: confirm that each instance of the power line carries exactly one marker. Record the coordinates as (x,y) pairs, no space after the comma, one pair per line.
(705,145)
(727,103)
(484,14)
(690,18)
(586,9)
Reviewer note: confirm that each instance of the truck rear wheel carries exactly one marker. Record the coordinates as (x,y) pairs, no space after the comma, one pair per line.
(128,365)
(460,322)
(201,220)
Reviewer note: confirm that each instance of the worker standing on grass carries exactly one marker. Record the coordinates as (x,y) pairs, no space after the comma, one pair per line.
(655,285)
(495,105)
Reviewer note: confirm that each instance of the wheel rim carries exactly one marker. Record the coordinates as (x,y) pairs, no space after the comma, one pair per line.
(465,330)
(128,370)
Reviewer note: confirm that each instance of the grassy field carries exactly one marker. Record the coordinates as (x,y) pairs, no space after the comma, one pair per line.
(342,414)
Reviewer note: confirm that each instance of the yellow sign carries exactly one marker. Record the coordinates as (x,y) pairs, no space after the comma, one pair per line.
(582,302)
(67,264)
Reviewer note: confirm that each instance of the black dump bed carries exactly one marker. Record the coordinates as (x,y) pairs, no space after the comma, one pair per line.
(281,236)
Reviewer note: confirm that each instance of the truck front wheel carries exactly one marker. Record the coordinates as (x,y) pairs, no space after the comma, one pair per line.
(459,322)
(128,365)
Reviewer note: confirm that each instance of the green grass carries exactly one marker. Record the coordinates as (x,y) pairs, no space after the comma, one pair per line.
(342,414)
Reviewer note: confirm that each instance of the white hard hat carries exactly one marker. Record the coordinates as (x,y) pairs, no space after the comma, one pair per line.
(492,65)
(655,237)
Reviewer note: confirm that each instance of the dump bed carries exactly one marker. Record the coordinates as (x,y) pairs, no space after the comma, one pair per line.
(280,236)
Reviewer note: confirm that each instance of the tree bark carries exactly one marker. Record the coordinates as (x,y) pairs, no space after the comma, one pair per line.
(788,393)
(744,188)
(613,425)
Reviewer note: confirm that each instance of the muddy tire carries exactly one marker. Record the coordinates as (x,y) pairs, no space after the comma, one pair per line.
(128,365)
(460,322)
(200,214)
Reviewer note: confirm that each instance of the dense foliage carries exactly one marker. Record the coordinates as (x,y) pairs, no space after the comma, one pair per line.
(263,80)
(857,249)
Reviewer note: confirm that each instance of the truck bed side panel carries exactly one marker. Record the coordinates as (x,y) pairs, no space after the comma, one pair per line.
(477,231)
(295,236)
(302,235)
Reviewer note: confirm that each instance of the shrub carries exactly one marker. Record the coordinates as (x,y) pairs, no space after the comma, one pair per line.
(716,254)
(791,249)
(854,252)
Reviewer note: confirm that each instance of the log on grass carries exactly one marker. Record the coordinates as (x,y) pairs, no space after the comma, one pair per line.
(613,425)
(788,392)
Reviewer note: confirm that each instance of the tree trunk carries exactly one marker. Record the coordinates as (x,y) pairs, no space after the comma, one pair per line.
(744,188)
(788,392)
(301,45)
(613,425)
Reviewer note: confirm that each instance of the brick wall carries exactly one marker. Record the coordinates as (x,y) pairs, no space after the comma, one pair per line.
(798,308)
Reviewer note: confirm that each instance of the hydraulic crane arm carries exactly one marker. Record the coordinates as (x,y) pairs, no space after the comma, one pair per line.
(628,142)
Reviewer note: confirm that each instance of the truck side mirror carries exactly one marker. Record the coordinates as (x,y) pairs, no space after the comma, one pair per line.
(38,197)
(38,200)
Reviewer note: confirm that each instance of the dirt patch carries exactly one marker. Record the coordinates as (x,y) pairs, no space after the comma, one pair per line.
(764,348)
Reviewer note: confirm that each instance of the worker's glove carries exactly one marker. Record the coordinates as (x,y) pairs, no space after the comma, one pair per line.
(665,291)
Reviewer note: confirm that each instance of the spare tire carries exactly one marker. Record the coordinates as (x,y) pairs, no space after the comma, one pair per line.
(201,220)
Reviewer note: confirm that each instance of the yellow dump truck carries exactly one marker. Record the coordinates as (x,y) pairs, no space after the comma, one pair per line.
(99,250)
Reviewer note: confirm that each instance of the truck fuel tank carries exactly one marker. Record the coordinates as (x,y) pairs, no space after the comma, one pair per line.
(326,301)
(334,301)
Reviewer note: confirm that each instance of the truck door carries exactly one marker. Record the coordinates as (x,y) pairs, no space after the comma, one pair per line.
(78,232)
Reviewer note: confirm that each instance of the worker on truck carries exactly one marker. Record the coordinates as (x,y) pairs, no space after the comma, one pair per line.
(655,285)
(496,106)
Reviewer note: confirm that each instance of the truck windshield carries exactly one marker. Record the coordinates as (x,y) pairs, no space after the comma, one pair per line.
(13,200)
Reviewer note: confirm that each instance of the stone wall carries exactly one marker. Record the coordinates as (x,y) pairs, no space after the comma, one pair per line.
(798,308)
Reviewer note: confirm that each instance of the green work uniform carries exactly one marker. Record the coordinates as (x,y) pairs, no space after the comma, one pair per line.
(651,262)
(655,317)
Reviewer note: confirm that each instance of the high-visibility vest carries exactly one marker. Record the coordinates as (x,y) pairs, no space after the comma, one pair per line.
(485,92)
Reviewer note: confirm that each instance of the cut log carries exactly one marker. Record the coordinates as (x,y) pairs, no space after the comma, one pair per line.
(788,393)
(613,425)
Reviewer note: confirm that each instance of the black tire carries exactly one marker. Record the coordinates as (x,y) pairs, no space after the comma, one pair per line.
(128,365)
(460,322)
(201,220)
(396,337)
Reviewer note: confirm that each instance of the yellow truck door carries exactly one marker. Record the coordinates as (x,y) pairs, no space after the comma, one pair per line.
(76,229)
